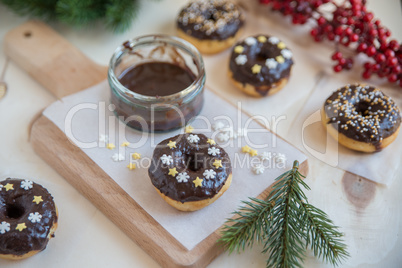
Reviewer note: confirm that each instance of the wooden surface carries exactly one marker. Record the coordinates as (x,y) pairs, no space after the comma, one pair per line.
(64,70)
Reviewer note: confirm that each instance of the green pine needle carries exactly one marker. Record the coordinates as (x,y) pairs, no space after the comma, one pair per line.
(286,225)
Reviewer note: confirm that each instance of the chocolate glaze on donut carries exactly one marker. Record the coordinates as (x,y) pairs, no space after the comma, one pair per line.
(257,53)
(194,159)
(212,19)
(16,205)
(363,113)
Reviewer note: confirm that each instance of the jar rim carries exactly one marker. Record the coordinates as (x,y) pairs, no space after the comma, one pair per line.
(158,38)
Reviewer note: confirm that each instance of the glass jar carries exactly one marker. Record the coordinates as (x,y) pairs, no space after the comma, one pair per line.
(156,113)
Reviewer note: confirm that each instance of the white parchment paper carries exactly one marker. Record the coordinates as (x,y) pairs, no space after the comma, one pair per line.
(309,135)
(86,115)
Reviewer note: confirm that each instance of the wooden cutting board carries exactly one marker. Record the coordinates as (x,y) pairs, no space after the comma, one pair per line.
(63,70)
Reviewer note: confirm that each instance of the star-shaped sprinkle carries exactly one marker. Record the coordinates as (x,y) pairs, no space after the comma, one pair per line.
(271,63)
(103,138)
(209,174)
(21,226)
(193,138)
(198,182)
(110,146)
(281,45)
(131,166)
(182,177)
(217,163)
(34,217)
(262,39)
(125,144)
(286,53)
(253,152)
(273,40)
(258,169)
(241,59)
(26,185)
(213,151)
(188,129)
(256,69)
(250,41)
(167,159)
(135,156)
(173,172)
(211,141)
(118,157)
(4,227)
(37,199)
(280,59)
(9,186)
(238,49)
(171,144)
(245,149)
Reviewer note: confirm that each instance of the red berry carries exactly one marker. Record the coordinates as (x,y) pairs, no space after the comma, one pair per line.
(348,31)
(321,20)
(350,21)
(354,37)
(314,32)
(366,75)
(380,58)
(367,65)
(392,61)
(373,32)
(389,53)
(397,69)
(362,47)
(392,78)
(338,68)
(338,30)
(342,61)
(393,44)
(368,17)
(370,51)
(337,55)
(375,67)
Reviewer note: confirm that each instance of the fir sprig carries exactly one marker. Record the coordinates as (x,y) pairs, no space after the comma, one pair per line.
(116,15)
(286,225)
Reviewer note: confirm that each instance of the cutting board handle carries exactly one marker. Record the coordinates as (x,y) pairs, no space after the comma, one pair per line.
(51,60)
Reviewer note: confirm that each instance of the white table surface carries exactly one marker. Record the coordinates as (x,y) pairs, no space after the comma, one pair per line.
(86,238)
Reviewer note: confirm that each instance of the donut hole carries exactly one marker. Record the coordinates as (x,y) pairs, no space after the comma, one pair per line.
(14,211)
(193,162)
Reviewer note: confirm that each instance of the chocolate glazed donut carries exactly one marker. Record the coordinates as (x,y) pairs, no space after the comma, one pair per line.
(361,118)
(28,218)
(190,171)
(260,65)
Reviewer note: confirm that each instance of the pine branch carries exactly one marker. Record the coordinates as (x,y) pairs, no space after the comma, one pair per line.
(119,15)
(80,12)
(44,9)
(250,224)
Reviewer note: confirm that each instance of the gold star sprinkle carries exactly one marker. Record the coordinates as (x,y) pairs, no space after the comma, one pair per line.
(197,182)
(280,59)
(131,166)
(281,45)
(125,144)
(37,199)
(21,226)
(110,146)
(253,152)
(238,49)
(217,163)
(171,144)
(262,39)
(188,129)
(9,186)
(245,149)
(211,141)
(256,69)
(173,172)
(135,156)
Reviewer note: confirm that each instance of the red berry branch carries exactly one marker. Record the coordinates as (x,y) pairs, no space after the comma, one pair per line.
(349,25)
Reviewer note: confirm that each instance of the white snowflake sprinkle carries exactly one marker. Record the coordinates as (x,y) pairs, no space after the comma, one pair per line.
(167,159)
(258,169)
(213,151)
(286,53)
(250,41)
(265,156)
(34,217)
(26,185)
(4,227)
(193,138)
(229,131)
(1,187)
(209,174)
(273,40)
(242,132)
(241,59)
(182,177)
(271,63)
(103,138)
(118,157)
(218,125)
(280,158)
(223,137)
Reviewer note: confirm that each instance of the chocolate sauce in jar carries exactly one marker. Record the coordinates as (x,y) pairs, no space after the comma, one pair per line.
(157,78)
